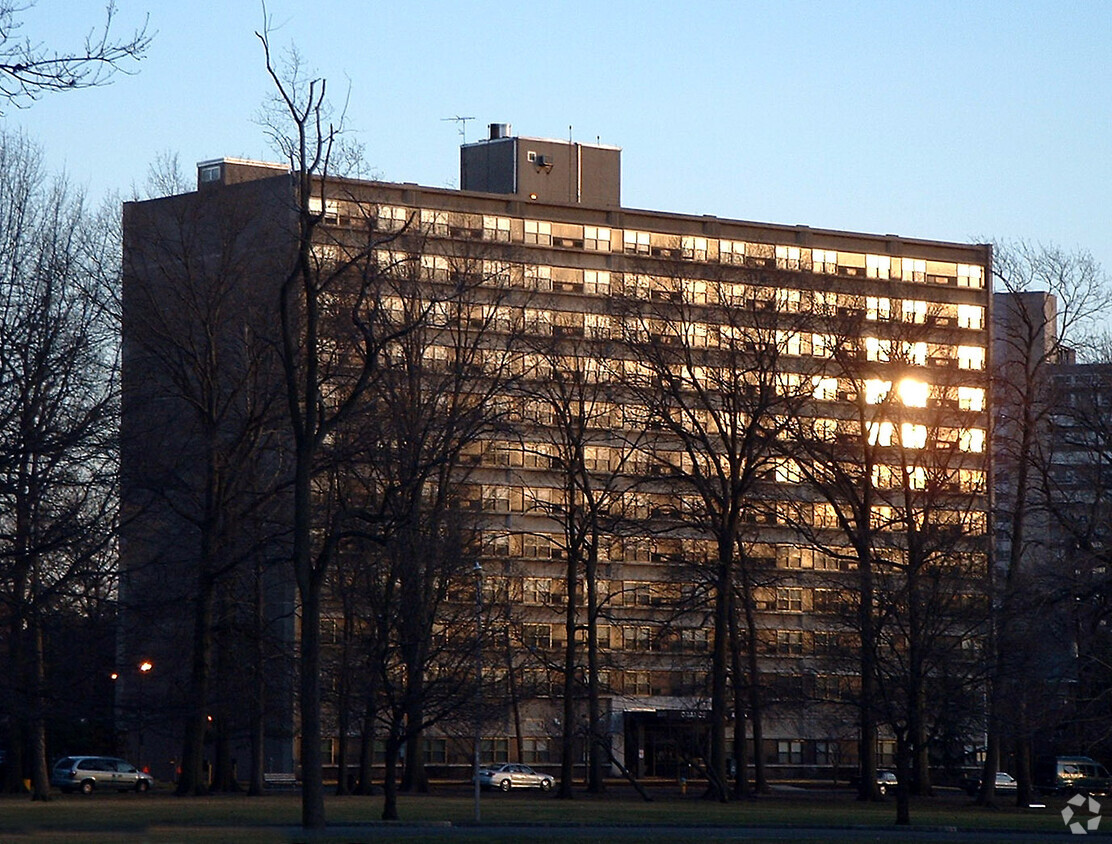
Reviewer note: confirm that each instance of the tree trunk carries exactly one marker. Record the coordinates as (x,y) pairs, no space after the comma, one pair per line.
(867,789)
(903,775)
(257,784)
(567,736)
(390,780)
(40,777)
(986,796)
(741,775)
(515,699)
(756,702)
(312,785)
(415,778)
(192,778)
(367,738)
(597,754)
(716,770)
(1023,788)
(343,719)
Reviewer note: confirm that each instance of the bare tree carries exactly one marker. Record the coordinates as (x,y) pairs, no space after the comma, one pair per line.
(1050,298)
(29,68)
(577,391)
(330,350)
(440,391)
(58,404)
(707,361)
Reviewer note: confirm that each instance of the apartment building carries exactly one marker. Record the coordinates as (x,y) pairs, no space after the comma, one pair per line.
(832,370)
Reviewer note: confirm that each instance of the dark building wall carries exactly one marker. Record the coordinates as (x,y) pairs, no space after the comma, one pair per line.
(489,166)
(200,290)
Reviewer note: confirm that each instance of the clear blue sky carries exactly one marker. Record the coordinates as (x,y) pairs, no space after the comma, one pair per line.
(944,120)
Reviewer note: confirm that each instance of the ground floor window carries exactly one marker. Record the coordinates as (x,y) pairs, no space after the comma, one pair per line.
(436,751)
(789,752)
(535,750)
(495,750)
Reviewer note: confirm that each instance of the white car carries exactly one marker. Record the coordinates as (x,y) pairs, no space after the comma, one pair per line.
(513,775)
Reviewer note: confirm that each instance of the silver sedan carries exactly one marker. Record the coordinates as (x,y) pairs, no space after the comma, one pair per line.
(513,775)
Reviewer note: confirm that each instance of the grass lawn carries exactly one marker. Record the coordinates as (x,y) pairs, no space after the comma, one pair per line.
(160,817)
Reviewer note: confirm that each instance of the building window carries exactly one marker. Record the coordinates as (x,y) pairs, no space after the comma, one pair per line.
(886,752)
(971,398)
(536,636)
(787,257)
(876,390)
(971,316)
(434,222)
(436,751)
(914,311)
(637,683)
(913,435)
(916,477)
(538,232)
(596,326)
(789,752)
(637,638)
(914,269)
(885,477)
(878,307)
(496,228)
(826,389)
(788,472)
(329,209)
(638,242)
(824,261)
(596,238)
(210,174)
(538,277)
(392,217)
(535,750)
(877,349)
(970,275)
(495,750)
(789,642)
(972,439)
(789,598)
(695,640)
(878,266)
(536,590)
(914,353)
(596,282)
(971,357)
(913,393)
(536,547)
(731,251)
(498,499)
(694,248)
(880,433)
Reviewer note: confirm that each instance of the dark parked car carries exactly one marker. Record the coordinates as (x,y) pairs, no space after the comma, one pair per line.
(88,773)
(1005,784)
(885,781)
(512,775)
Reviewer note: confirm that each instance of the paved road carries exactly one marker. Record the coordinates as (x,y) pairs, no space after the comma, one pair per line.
(498,833)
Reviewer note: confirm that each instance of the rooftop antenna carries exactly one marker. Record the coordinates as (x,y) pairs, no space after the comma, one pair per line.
(462,121)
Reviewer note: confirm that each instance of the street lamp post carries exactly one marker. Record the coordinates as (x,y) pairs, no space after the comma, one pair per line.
(144,669)
(478,682)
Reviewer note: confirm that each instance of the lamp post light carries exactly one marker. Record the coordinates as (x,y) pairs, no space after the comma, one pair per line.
(478,570)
